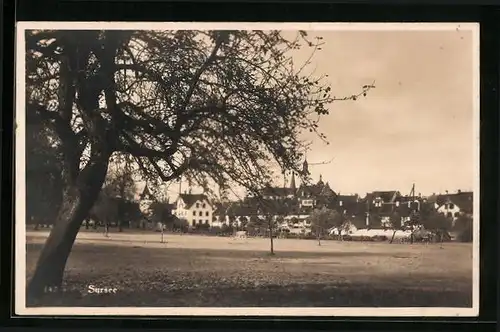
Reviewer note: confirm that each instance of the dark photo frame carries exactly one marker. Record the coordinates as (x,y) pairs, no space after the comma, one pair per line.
(484,209)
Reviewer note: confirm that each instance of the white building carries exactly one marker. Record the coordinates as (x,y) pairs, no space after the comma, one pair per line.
(450,210)
(196,209)
(454,205)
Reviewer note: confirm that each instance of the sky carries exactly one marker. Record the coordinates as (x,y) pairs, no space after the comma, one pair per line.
(416,126)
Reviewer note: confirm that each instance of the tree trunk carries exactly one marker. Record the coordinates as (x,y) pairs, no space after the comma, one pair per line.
(271,237)
(392,238)
(78,200)
(319,239)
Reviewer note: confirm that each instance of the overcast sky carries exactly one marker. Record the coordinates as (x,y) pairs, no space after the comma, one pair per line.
(415,126)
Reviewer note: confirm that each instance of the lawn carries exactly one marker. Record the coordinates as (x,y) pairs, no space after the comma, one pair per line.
(192,270)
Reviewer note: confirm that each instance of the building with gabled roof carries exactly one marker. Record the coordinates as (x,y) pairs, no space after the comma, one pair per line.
(196,209)
(381,204)
(456,204)
(278,192)
(347,204)
(311,196)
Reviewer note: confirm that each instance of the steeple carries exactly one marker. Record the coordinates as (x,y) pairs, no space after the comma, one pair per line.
(292,182)
(320,182)
(305,167)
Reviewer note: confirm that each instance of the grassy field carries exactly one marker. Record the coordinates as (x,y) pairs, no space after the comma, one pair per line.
(191,270)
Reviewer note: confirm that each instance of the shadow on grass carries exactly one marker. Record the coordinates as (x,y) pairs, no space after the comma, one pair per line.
(97,249)
(162,277)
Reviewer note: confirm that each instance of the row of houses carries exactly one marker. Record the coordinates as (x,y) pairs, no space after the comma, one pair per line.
(296,204)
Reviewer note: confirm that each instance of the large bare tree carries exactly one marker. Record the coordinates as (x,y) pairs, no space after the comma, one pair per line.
(212,106)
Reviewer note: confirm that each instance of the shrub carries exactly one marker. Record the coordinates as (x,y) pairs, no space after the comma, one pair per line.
(379,238)
(463,226)
(466,234)
(361,238)
(180,225)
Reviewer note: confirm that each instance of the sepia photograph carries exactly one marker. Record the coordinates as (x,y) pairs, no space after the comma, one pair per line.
(235,169)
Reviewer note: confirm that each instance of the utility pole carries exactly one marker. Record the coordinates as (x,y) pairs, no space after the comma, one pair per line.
(412,192)
(180,185)
(367,213)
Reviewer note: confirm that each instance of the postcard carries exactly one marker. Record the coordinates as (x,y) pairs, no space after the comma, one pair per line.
(235,169)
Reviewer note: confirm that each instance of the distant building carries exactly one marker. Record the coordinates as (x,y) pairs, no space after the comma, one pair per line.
(381,204)
(454,205)
(276,193)
(315,195)
(348,205)
(289,203)
(146,198)
(196,209)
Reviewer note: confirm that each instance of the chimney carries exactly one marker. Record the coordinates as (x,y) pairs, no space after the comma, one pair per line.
(459,191)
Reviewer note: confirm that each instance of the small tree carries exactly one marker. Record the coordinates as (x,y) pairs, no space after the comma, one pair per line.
(161,214)
(105,210)
(415,220)
(323,219)
(244,222)
(345,226)
(464,227)
(180,225)
(438,224)
(202,228)
(122,186)
(274,211)
(131,212)
(232,221)
(43,176)
(395,224)
(253,225)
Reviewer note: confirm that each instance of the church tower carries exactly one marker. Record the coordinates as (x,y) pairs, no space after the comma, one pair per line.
(292,183)
(320,182)
(305,167)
